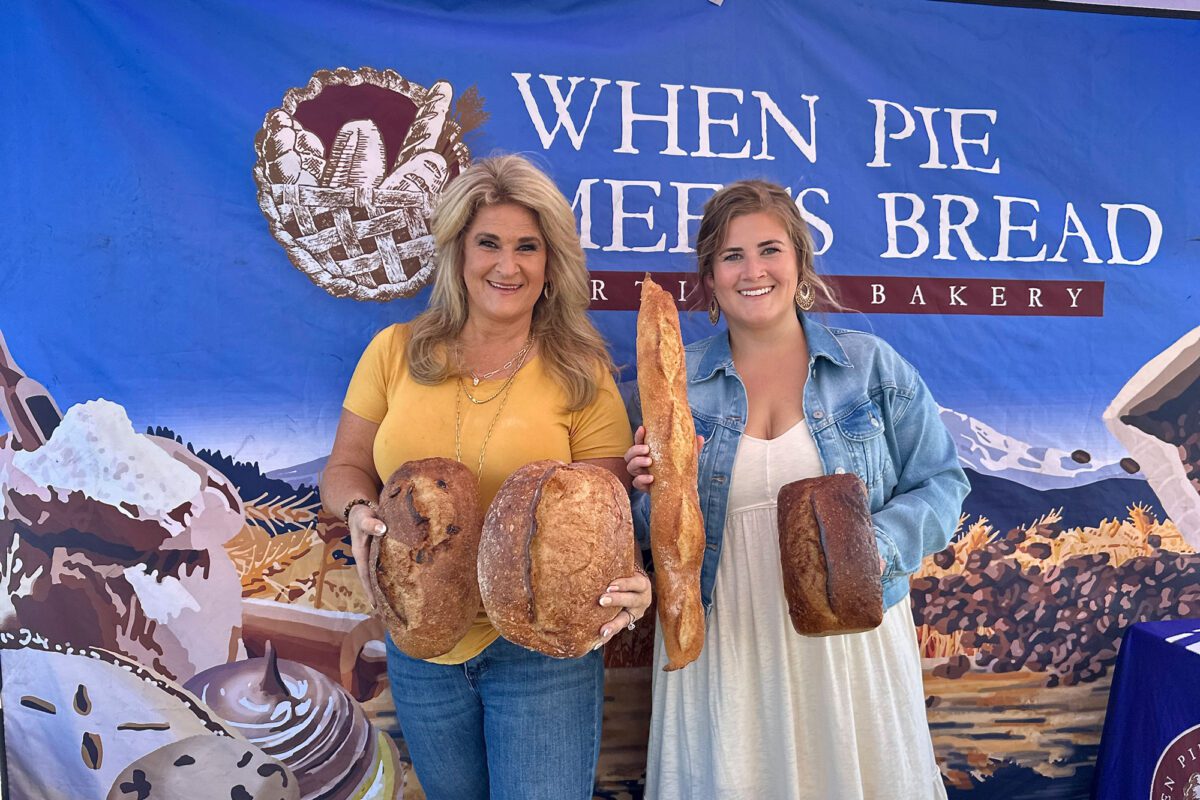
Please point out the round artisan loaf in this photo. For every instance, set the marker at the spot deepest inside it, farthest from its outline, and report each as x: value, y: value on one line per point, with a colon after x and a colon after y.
x: 554, y: 538
x: 423, y: 568
x: 829, y: 556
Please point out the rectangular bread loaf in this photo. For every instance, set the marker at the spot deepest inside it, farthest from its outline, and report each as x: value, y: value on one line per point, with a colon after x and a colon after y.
x: 831, y: 573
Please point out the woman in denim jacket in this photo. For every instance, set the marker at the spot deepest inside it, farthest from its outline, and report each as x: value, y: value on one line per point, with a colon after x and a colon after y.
x: 765, y: 713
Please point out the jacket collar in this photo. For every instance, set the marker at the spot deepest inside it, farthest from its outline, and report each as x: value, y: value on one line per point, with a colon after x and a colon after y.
x: 822, y: 343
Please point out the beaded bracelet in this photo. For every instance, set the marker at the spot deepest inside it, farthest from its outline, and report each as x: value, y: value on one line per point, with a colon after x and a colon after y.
x: 358, y: 501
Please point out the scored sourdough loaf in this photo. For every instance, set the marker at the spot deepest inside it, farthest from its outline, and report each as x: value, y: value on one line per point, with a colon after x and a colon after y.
x: 555, y: 537
x: 423, y: 569
x: 676, y: 527
x: 830, y: 559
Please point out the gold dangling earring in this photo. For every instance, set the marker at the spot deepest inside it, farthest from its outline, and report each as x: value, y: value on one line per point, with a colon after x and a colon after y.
x: 546, y: 290
x: 805, y: 296
x: 714, y: 311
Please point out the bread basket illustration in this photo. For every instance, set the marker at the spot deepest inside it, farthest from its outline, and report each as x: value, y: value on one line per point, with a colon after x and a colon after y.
x: 349, y: 168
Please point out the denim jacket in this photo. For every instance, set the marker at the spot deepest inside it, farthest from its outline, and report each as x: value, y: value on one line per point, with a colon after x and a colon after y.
x: 869, y: 412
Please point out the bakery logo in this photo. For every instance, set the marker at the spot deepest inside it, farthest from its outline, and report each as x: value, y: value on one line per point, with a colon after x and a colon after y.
x: 1177, y: 774
x: 348, y: 170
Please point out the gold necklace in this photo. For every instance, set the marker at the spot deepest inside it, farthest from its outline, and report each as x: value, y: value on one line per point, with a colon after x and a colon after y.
x: 462, y: 385
x: 521, y: 363
x: 487, y: 436
x: 507, y: 365
x: 504, y: 390
x: 518, y: 359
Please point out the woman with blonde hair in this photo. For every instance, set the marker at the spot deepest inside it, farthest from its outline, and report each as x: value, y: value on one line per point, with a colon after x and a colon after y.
x: 502, y: 369
x: 765, y: 713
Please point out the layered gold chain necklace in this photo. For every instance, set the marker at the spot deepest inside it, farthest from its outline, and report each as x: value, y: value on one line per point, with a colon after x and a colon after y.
x: 515, y: 363
x: 507, y: 365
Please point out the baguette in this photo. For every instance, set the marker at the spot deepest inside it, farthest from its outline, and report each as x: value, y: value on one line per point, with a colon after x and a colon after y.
x: 676, y: 526
x: 427, y: 125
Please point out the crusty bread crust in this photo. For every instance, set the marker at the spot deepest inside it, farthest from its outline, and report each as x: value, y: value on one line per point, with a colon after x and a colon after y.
x: 676, y: 526
x: 423, y: 569
x: 555, y: 537
x: 829, y: 556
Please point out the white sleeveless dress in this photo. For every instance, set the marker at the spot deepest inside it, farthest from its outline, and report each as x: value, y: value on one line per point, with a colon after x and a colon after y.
x: 767, y: 714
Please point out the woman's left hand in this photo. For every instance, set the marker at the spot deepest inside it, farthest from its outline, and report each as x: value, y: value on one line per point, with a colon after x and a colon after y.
x: 633, y: 594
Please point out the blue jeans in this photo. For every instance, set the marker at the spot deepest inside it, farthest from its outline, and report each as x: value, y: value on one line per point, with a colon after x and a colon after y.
x: 509, y: 724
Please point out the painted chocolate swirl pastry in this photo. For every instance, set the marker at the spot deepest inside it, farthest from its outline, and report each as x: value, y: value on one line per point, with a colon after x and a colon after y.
x: 302, y: 718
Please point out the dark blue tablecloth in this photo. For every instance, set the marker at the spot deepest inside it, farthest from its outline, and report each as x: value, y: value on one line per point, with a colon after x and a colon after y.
x: 1153, y: 707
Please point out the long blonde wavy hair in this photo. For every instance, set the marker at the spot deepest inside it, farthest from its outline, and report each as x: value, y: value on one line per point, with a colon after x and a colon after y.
x: 748, y: 197
x: 572, y: 350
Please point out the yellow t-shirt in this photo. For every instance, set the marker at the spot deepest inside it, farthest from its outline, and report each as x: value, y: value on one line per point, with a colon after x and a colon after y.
x: 417, y: 421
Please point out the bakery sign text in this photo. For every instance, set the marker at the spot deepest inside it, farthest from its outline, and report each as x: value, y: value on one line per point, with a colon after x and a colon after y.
x: 619, y: 290
x: 630, y: 118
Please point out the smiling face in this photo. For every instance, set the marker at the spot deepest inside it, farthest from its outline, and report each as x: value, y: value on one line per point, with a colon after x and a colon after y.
x: 755, y: 272
x: 504, y: 263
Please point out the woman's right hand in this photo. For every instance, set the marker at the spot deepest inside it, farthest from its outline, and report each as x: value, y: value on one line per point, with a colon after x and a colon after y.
x: 638, y: 461
x: 364, y: 523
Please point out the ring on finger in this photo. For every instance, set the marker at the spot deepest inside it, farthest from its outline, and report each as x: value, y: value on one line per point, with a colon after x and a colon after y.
x: 632, y: 622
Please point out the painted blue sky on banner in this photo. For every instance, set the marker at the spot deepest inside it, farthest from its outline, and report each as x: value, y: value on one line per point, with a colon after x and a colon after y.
x: 140, y: 268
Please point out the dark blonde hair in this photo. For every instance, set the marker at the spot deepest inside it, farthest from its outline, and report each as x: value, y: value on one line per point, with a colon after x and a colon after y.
x: 571, y: 348
x: 749, y: 197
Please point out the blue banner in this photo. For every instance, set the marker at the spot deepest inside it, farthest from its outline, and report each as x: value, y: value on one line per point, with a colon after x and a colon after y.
x: 214, y: 206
